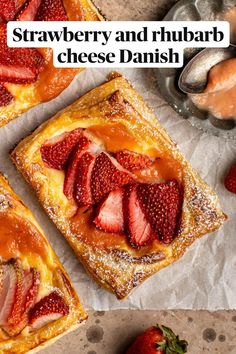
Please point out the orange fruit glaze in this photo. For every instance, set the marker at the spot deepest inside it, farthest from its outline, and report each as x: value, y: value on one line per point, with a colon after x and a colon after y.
x: 19, y: 236
x: 52, y: 81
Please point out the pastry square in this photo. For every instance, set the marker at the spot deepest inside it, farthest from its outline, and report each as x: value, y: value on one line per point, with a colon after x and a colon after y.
x: 117, y: 187
x: 37, y: 300
x: 27, y: 75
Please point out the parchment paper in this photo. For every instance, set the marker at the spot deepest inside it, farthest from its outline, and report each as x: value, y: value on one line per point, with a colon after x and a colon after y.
x: 205, y: 278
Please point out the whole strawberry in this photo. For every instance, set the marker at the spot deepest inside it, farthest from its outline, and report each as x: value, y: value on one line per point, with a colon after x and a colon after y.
x: 158, y: 340
x: 230, y: 179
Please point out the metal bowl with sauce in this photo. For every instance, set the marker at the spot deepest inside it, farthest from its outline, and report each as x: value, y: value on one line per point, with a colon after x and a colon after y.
x: 167, y: 79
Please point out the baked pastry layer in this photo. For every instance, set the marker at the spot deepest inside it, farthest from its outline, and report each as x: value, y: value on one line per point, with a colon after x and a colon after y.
x: 116, y: 118
x: 51, y: 81
x: 25, y: 249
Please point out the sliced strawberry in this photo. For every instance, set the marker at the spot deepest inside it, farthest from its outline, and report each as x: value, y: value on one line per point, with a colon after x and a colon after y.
x: 18, y: 292
x: 139, y: 229
x: 8, y: 286
x: 161, y: 204
x: 55, y: 152
x: 49, y: 308
x: 19, y: 4
x: 18, y: 65
x: 14, y: 304
x: 110, y: 213
x: 18, y: 318
x: 30, y: 292
x: 12, y: 70
x: 52, y: 10
x: 17, y: 305
x: 82, y: 187
x: 7, y: 10
x: 29, y: 11
x: 5, y: 96
x: 16, y: 74
x: 132, y: 160
x: 31, y: 287
x: 82, y: 146
x: 107, y: 175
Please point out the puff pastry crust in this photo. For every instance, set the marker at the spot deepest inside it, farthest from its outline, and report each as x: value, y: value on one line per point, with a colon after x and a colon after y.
x: 119, y: 117
x: 31, y: 248
x: 51, y: 81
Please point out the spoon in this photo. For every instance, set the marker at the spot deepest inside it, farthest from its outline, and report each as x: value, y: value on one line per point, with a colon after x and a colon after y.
x: 193, y: 78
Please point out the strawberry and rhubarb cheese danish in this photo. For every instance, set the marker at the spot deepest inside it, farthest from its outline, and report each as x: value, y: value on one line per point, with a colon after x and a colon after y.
x: 37, y: 300
x: 117, y: 187
x: 27, y: 75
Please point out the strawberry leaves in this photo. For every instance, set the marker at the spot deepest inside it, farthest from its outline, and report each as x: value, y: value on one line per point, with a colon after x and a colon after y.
x: 171, y: 343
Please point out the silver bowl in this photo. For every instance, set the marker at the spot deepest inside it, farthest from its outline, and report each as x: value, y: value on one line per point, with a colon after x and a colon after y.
x: 167, y: 79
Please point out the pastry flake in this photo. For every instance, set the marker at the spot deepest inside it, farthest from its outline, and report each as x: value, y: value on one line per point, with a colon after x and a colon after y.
x: 37, y: 301
x: 117, y: 187
x: 27, y: 75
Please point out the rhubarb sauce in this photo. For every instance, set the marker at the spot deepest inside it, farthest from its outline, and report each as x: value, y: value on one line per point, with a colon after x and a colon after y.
x: 219, y: 97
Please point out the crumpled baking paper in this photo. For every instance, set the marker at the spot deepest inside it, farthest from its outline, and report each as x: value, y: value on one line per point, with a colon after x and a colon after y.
x: 205, y: 277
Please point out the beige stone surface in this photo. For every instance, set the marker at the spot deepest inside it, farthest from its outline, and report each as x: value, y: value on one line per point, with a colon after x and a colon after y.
x: 112, y: 332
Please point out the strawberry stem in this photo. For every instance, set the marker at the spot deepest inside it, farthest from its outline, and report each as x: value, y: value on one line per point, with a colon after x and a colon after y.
x: 171, y: 343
